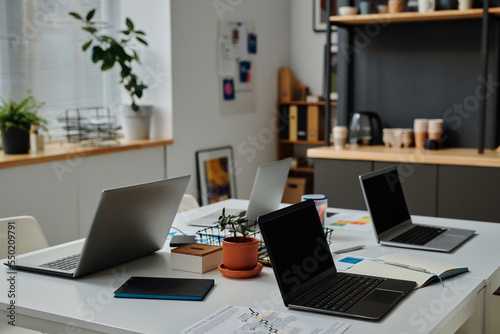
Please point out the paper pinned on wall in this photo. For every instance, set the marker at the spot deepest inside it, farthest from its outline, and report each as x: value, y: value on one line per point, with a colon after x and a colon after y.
x: 226, y: 59
x: 242, y: 42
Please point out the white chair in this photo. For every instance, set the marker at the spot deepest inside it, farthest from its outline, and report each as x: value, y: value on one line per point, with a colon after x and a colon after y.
x: 26, y: 236
x: 188, y: 203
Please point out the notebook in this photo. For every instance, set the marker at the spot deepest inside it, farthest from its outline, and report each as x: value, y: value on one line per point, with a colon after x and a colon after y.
x: 266, y: 195
x: 165, y: 288
x: 407, y: 267
x: 130, y: 222
x: 391, y: 219
x: 305, y: 271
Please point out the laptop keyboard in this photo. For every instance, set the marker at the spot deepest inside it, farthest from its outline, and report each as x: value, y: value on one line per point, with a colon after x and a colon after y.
x: 419, y: 235
x: 66, y: 263
x: 343, y: 291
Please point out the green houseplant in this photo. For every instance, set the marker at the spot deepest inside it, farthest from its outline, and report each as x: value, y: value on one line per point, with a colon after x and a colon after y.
x: 238, y: 252
x: 108, y: 51
x: 16, y: 119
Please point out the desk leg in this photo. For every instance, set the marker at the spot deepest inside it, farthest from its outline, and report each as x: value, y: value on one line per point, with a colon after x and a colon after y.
x: 476, y: 322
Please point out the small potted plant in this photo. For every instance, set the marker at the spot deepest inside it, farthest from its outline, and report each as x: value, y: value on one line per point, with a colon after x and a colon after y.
x: 110, y: 51
x: 239, y: 252
x: 16, y: 119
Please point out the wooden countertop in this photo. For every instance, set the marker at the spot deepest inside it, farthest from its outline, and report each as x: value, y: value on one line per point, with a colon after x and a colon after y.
x: 447, y: 156
x: 62, y: 151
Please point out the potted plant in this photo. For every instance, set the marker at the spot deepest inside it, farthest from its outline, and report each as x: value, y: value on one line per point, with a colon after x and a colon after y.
x: 238, y: 252
x: 16, y: 119
x: 109, y: 51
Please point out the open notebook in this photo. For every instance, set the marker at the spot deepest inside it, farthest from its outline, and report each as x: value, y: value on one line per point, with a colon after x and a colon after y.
x: 388, y: 266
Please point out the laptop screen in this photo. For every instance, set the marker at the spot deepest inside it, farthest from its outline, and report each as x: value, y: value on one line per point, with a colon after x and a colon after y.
x: 385, y: 198
x: 296, y: 243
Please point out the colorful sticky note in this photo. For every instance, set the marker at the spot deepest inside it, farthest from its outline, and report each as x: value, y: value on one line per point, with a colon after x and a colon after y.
x: 228, y: 89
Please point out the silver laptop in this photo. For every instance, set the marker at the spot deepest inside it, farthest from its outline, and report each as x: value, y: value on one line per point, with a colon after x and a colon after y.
x: 392, y: 223
x: 130, y: 222
x: 266, y: 195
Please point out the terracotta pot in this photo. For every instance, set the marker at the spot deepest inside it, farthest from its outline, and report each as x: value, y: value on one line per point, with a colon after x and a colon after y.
x: 240, y: 255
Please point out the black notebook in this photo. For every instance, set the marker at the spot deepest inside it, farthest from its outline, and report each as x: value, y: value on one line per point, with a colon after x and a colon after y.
x: 165, y: 288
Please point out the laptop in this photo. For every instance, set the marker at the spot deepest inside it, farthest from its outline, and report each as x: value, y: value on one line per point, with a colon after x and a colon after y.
x: 392, y: 223
x: 266, y: 195
x: 130, y: 222
x: 304, y: 268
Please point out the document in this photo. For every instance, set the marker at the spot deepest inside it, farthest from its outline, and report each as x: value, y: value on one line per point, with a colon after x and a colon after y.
x: 238, y: 319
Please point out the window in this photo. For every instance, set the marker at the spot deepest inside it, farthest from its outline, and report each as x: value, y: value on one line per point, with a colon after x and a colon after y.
x: 40, y: 50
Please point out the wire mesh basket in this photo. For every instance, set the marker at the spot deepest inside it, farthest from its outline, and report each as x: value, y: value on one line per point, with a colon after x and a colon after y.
x: 214, y: 236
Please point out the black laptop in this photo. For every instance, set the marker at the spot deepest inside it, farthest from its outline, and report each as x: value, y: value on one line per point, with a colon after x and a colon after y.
x: 306, y: 274
x: 391, y: 218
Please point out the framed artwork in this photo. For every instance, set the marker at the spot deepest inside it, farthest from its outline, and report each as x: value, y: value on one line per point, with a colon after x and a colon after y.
x: 320, y: 17
x: 216, y: 177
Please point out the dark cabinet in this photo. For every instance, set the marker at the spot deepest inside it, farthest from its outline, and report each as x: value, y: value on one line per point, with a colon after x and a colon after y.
x: 467, y: 192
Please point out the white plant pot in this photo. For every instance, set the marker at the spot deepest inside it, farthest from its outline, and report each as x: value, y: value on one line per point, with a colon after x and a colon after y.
x: 136, y: 124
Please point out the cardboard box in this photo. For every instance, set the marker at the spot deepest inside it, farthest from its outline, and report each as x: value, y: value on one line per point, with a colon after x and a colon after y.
x: 198, y: 258
x: 295, y: 187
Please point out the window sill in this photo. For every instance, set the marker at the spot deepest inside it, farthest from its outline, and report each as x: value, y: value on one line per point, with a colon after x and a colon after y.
x: 62, y: 151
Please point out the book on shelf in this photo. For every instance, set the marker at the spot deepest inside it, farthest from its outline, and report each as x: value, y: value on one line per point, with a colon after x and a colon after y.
x: 284, y: 124
x: 315, y: 124
x: 407, y: 267
x: 293, y: 122
x: 302, y: 123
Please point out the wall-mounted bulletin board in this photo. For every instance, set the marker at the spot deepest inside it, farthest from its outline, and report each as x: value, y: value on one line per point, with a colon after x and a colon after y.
x: 237, y: 49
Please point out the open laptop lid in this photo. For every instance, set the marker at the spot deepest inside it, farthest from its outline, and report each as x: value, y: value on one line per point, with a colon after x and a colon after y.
x: 297, y: 247
x: 385, y: 200
x: 268, y: 187
x: 130, y: 222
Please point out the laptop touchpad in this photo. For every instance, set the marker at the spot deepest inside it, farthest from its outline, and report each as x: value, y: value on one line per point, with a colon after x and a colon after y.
x: 376, y: 303
x: 383, y: 296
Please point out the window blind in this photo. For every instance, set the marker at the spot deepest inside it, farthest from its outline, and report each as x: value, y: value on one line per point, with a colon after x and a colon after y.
x: 41, y: 51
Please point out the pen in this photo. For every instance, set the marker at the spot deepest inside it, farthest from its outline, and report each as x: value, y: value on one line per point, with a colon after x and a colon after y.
x: 346, y: 250
x: 407, y: 266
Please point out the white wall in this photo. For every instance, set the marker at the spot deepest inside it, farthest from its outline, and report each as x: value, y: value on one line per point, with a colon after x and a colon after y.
x: 197, y: 121
x: 152, y: 16
x: 306, y: 46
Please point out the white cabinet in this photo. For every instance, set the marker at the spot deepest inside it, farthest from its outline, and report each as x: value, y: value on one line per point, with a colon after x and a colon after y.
x: 63, y: 195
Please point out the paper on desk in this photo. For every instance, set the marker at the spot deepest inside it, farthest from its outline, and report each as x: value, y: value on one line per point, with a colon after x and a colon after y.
x: 238, y: 319
x: 346, y: 261
x: 350, y: 221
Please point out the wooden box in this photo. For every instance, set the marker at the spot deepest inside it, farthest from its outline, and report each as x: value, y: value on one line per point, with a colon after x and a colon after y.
x: 198, y: 258
x: 295, y: 187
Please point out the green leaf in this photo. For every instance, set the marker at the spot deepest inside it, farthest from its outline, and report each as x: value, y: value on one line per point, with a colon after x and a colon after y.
x: 135, y: 107
x: 90, y: 15
x: 126, y: 32
x: 140, y: 32
x: 108, y: 61
x: 75, y: 15
x: 97, y: 53
x: 142, y: 41
x: 129, y: 23
x: 86, y: 45
x: 91, y: 30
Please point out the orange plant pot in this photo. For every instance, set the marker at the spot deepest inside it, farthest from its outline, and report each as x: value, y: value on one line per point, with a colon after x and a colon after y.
x: 240, y: 255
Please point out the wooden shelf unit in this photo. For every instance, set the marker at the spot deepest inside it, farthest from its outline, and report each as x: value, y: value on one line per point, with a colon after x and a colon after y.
x: 439, y: 15
x: 350, y: 21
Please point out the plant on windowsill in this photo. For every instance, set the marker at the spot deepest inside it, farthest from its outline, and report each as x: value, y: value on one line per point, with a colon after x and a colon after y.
x: 109, y: 51
x: 16, y: 120
x: 238, y: 252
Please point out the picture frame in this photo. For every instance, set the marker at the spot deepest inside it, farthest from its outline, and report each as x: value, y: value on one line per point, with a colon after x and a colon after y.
x: 216, y: 176
x: 320, y: 17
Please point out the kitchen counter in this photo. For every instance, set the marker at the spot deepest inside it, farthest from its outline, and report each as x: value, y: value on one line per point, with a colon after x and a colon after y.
x: 446, y: 156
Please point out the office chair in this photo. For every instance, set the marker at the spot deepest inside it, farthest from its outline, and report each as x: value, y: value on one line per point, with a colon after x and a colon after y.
x: 188, y: 203
x: 26, y: 235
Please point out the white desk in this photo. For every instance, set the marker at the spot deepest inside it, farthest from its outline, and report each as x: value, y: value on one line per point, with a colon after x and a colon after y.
x: 86, y: 305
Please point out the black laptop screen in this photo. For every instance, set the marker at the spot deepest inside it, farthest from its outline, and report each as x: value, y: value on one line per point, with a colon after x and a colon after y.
x: 386, y: 200
x: 296, y: 244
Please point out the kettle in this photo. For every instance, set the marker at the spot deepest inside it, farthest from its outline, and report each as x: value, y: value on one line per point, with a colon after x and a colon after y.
x: 365, y: 128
